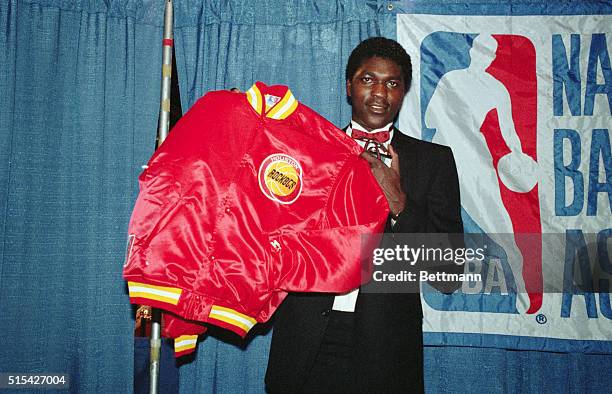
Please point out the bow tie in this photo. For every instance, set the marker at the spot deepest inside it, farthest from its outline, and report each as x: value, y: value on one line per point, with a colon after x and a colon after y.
x: 380, y: 136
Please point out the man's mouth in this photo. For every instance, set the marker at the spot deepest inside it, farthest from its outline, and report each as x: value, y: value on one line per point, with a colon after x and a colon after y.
x: 378, y: 108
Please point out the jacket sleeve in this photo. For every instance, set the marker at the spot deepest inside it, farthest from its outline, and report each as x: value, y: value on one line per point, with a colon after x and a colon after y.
x: 335, y: 256
x: 184, y: 332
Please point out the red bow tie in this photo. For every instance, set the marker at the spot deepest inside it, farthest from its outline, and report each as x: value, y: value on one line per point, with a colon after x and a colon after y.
x: 380, y: 136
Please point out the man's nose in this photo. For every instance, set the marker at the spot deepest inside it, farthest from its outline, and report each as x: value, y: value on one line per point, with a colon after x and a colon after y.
x: 379, y: 89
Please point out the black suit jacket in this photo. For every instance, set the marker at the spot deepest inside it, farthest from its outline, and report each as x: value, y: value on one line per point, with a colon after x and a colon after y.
x: 387, y: 333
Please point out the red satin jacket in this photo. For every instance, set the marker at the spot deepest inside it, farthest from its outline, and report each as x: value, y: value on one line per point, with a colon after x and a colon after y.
x: 251, y: 196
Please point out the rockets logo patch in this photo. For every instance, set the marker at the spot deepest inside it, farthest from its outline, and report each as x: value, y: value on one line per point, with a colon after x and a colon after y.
x: 280, y: 178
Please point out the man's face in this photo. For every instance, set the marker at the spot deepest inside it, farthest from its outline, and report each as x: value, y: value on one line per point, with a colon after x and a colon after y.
x: 376, y: 91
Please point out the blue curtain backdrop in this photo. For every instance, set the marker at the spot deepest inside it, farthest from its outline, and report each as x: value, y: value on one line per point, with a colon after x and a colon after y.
x: 305, y: 45
x: 79, y: 96
x: 302, y: 44
x: 79, y: 87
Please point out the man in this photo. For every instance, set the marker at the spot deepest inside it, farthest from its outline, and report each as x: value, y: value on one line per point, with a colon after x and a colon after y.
x: 371, y: 342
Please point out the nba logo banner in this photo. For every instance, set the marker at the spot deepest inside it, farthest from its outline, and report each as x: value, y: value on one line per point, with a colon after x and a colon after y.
x: 525, y: 103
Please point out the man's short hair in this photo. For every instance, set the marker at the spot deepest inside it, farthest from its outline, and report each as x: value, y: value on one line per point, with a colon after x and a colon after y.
x: 380, y: 47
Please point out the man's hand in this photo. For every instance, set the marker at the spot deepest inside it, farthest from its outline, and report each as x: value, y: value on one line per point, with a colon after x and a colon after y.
x: 389, y: 180
x: 143, y: 313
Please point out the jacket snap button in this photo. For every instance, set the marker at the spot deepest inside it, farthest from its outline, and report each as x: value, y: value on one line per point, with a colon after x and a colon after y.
x: 325, y: 313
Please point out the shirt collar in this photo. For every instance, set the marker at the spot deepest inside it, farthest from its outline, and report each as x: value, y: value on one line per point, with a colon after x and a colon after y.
x: 276, y: 102
x: 389, y: 127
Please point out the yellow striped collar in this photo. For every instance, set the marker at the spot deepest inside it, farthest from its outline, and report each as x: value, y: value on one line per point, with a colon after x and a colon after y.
x: 276, y: 102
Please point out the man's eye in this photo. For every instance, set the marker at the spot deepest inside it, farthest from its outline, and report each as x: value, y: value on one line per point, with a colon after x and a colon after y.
x: 392, y: 84
x: 366, y: 79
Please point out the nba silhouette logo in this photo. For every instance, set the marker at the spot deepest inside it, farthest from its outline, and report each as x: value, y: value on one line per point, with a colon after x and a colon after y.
x: 478, y: 95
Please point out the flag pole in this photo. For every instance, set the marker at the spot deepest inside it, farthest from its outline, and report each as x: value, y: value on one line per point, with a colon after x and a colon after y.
x: 162, y: 133
x: 168, y: 44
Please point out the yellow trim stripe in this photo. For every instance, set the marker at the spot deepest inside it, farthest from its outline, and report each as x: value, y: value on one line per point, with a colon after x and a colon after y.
x: 178, y: 349
x: 169, y: 295
x: 292, y: 105
x: 279, y: 105
x: 185, y: 342
x: 174, y: 290
x: 254, y: 97
x: 153, y: 297
x: 232, y: 317
x: 259, y: 100
x: 248, y: 318
x: 231, y: 321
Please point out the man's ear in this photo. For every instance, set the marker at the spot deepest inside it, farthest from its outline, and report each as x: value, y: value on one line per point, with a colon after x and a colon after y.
x: 348, y: 88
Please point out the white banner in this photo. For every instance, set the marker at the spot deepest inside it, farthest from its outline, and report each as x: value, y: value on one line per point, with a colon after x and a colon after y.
x: 525, y: 103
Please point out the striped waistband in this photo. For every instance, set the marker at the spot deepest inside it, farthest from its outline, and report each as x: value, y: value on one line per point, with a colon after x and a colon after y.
x: 168, y: 298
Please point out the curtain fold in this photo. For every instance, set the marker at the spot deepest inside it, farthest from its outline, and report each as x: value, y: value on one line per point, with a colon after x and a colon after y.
x: 303, y: 44
x: 78, y: 114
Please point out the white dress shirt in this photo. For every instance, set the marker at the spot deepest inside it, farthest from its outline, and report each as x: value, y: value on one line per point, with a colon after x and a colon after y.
x: 346, y: 302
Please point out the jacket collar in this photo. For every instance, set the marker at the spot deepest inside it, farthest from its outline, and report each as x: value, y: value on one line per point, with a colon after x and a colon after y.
x: 275, y: 102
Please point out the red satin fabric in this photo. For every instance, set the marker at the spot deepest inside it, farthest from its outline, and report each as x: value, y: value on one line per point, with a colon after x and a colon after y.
x: 203, y: 224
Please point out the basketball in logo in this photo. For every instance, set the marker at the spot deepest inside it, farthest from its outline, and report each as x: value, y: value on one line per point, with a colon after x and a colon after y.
x: 280, y: 178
